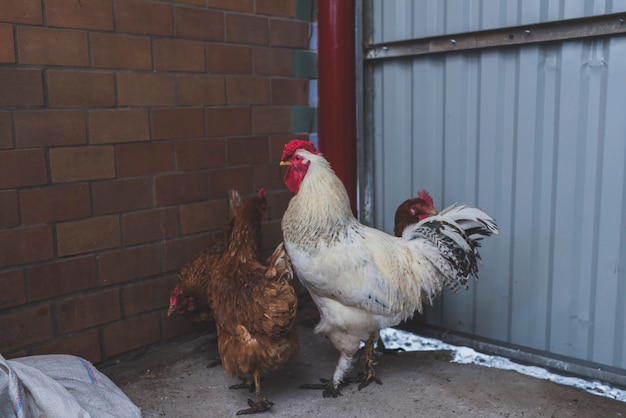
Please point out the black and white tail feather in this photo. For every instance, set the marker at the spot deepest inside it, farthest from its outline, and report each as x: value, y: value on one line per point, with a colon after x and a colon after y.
x: 456, y: 232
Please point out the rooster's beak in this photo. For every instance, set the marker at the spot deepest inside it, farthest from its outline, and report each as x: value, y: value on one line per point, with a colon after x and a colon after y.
x: 171, y: 310
x: 285, y: 163
x: 433, y: 212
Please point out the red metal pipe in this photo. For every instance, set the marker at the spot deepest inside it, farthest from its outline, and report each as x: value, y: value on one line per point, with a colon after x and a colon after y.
x: 337, y: 90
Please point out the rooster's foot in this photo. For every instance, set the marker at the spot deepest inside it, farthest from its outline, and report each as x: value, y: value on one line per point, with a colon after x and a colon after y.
x: 260, y: 405
x: 329, y: 389
x: 365, y: 379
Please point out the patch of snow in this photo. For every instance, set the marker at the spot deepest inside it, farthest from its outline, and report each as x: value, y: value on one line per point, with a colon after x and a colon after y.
x: 398, y: 339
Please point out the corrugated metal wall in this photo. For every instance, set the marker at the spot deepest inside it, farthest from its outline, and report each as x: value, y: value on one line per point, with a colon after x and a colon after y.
x: 536, y: 136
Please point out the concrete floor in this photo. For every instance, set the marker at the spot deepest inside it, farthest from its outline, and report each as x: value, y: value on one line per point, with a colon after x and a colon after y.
x: 173, y: 381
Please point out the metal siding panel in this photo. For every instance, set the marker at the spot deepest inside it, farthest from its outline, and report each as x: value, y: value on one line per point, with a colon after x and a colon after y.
x: 379, y: 123
x: 612, y: 235
x: 571, y: 336
x: 528, y: 322
x: 460, y: 142
x: 397, y: 137
x: 536, y: 136
x: 494, y: 189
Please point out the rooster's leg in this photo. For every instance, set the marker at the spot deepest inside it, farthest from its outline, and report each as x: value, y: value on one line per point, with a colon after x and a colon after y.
x: 370, y: 373
x: 331, y: 387
x: 261, y: 403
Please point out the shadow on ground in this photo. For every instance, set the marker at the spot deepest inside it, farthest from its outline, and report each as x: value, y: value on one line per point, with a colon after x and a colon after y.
x: 173, y: 381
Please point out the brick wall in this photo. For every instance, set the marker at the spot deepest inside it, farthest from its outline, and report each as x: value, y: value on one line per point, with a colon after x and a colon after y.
x: 122, y: 125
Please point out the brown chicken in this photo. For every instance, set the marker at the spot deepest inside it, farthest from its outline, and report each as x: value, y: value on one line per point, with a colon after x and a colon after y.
x: 189, y: 298
x: 413, y: 210
x: 254, y: 304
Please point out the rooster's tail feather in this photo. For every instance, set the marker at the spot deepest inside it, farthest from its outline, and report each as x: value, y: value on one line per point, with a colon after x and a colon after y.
x: 456, y: 233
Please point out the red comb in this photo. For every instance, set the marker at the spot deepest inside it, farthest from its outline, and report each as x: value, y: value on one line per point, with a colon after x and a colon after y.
x: 423, y: 194
x: 261, y: 193
x: 296, y: 144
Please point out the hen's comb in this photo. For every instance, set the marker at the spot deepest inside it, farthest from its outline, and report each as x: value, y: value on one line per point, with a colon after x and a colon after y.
x: 296, y: 144
x: 423, y: 194
x: 261, y: 193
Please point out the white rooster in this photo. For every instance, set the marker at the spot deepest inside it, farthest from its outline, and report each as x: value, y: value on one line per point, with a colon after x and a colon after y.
x: 360, y: 278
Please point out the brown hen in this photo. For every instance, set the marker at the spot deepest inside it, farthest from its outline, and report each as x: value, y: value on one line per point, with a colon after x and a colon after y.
x: 413, y: 210
x: 254, y: 304
x: 189, y: 298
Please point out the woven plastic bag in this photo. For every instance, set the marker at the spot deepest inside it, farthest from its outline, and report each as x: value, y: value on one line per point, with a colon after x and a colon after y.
x: 60, y: 386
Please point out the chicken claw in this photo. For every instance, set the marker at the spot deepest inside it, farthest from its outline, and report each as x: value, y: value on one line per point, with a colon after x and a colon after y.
x: 260, y: 405
x: 329, y: 390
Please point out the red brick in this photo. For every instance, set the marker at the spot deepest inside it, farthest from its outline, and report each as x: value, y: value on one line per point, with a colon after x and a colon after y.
x: 121, y: 51
x: 177, y: 123
x: 25, y: 245
x: 247, y: 90
x: 130, y: 263
x: 121, y: 195
x: 52, y: 46
x: 62, y: 278
x: 228, y: 121
x: 199, y: 24
x: 179, y: 188
x: 6, y: 130
x: 147, y: 296
x: 200, y: 154
x: 289, y: 33
x: 85, y: 345
x: 79, y: 88
x: 276, y: 7
x: 273, y: 61
x: 152, y: 225
x: 247, y: 150
x: 25, y: 327
x: 201, y: 90
x: 92, y: 14
x: 7, y: 48
x: 145, y: 89
x: 12, y: 289
x: 220, y: 181
x: 229, y: 59
x: 290, y: 91
x: 131, y: 334
x: 45, y: 128
x: 140, y: 16
x: 180, y: 251
x: 9, y: 214
x: 178, y: 55
x: 88, y: 311
x: 53, y: 204
x: 203, y: 216
x: 87, y: 235
x: 239, y: 5
x: 267, y: 120
x: 22, y: 168
x: 20, y: 87
x: 193, y: 2
x: 145, y: 158
x: 21, y: 11
x: 82, y: 163
x: 118, y: 125
x: 269, y: 176
x: 247, y: 29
